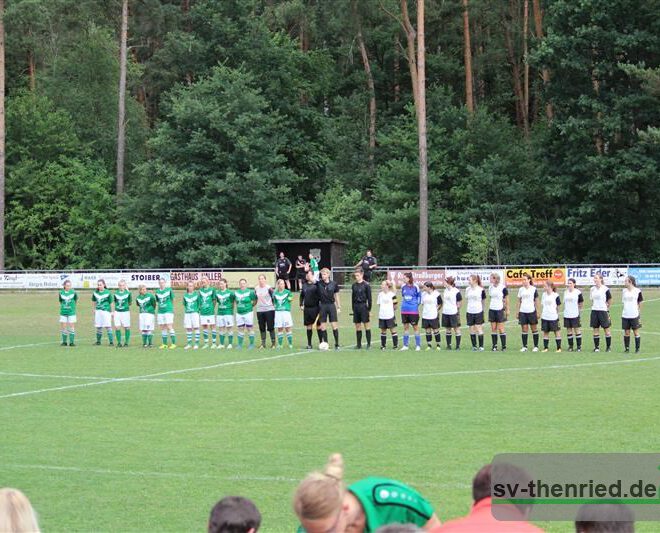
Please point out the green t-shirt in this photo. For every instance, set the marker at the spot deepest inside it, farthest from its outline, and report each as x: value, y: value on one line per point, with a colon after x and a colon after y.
x: 245, y: 300
x: 225, y: 302
x: 386, y: 501
x: 207, y: 301
x: 68, y: 301
x: 282, y: 300
x: 103, y: 300
x: 314, y: 264
x: 165, y: 299
x: 191, y: 302
x: 146, y: 302
x: 122, y: 300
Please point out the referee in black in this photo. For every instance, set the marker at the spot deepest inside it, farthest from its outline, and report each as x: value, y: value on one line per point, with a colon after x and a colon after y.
x: 361, y: 302
x: 368, y: 264
x: 330, y: 306
x: 309, y: 303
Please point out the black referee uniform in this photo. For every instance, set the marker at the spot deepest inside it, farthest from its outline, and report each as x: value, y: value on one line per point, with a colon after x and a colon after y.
x: 361, y: 303
x: 309, y: 301
x: 366, y: 263
x: 328, y: 308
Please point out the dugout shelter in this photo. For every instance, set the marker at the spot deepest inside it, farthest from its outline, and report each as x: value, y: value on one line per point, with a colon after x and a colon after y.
x: 328, y: 252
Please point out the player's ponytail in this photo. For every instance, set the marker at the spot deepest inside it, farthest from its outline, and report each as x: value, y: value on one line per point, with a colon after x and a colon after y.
x: 321, y: 494
x: 632, y: 280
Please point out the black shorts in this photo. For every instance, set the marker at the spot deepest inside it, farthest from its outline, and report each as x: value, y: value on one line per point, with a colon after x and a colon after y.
x: 451, y: 321
x: 475, y: 319
x: 525, y: 319
x: 572, y: 322
x: 328, y: 312
x: 367, y: 274
x: 310, y: 315
x: 600, y: 319
x: 386, y: 323
x: 409, y: 319
x: 301, y: 275
x: 266, y: 320
x: 549, y: 325
x: 630, y: 323
x: 360, y: 314
x: 496, y: 316
x: 431, y: 323
x: 283, y: 275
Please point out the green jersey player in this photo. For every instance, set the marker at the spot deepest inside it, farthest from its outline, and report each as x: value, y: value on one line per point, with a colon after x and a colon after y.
x: 314, y: 267
x: 207, y: 311
x: 102, y: 299
x: 225, y: 318
x: 245, y: 299
x: 122, y: 299
x: 191, y: 307
x: 165, y: 299
x: 362, y: 507
x: 146, y: 303
x: 283, y: 322
x: 68, y: 298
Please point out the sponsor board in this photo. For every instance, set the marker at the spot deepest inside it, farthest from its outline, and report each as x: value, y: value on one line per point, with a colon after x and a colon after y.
x: 513, y: 276
x: 437, y: 277
x: 645, y: 275
x: 180, y: 280
x: 149, y: 279
x: 12, y: 281
x: 462, y: 276
x: 47, y: 280
x: 584, y: 275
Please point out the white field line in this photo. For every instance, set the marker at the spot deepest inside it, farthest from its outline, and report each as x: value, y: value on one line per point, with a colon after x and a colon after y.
x: 26, y: 345
x: 184, y: 475
x: 154, y: 375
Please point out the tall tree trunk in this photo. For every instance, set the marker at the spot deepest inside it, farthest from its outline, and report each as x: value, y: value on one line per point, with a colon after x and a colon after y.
x: 545, y: 73
x: 372, y: 97
x: 526, y: 65
x: 410, y: 50
x: 121, y: 115
x: 421, y: 130
x: 32, y: 71
x: 518, y: 91
x: 467, y: 48
x: 397, y: 69
x: 2, y: 134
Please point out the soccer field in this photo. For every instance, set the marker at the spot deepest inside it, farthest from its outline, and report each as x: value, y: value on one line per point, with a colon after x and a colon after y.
x: 143, y: 440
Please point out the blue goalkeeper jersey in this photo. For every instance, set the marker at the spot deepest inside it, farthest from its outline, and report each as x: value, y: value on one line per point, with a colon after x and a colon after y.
x: 411, y: 297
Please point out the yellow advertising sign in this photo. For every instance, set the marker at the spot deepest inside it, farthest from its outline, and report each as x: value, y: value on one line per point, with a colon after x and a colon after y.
x: 513, y: 276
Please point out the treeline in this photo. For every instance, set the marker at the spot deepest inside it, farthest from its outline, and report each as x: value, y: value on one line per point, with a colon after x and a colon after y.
x: 257, y: 119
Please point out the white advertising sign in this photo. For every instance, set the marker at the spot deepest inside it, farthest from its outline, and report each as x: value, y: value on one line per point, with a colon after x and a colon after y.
x: 462, y: 276
x: 584, y: 275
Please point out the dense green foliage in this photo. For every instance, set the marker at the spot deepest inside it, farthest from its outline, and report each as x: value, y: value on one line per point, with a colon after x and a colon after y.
x: 249, y: 120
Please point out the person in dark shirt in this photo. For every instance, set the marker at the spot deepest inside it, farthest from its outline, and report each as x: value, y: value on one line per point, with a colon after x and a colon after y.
x: 309, y: 303
x: 301, y: 272
x: 283, y: 268
x: 361, y: 302
x: 368, y: 264
x: 330, y: 306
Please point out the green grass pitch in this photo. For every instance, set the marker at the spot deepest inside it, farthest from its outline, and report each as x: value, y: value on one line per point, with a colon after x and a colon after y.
x: 149, y: 440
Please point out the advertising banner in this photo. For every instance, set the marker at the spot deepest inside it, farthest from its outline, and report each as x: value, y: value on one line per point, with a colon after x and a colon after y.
x: 513, y: 276
x: 437, y: 277
x: 462, y: 276
x: 584, y: 275
x: 180, y: 279
x: 12, y: 281
x: 46, y: 280
x: 645, y: 275
x: 149, y: 279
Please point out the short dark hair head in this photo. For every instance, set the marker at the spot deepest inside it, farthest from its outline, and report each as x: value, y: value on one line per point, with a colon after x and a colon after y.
x: 234, y: 514
x: 359, y: 271
x: 606, y: 518
x: 409, y: 277
x: 505, y: 473
x: 481, y: 484
x: 429, y: 284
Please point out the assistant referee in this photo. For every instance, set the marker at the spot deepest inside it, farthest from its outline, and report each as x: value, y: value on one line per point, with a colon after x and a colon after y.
x: 329, y: 306
x: 309, y: 303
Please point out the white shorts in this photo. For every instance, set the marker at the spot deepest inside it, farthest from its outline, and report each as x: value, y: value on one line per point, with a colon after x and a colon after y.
x: 207, y: 320
x: 123, y: 319
x: 191, y: 320
x: 71, y: 319
x: 246, y: 319
x: 146, y: 322
x: 283, y: 319
x: 224, y: 321
x: 102, y: 319
x: 317, y: 275
x: 165, y: 318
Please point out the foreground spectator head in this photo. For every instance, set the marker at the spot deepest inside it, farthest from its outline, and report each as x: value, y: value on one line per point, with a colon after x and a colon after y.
x: 319, y: 499
x: 234, y: 514
x: 16, y: 512
x: 608, y: 518
x: 399, y: 528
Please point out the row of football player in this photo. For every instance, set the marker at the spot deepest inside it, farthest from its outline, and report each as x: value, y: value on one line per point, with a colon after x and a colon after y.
x: 443, y: 310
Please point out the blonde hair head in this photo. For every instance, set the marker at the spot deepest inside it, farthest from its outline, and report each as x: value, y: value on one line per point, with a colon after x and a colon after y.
x: 321, y: 494
x: 16, y: 512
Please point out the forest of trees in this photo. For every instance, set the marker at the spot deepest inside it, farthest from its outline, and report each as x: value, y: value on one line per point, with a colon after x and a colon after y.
x: 247, y: 120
